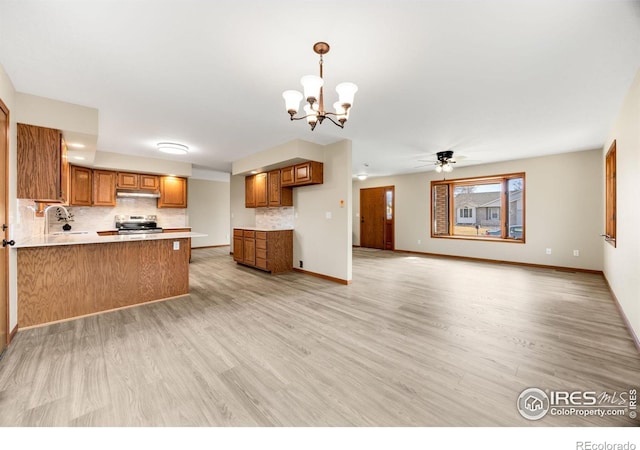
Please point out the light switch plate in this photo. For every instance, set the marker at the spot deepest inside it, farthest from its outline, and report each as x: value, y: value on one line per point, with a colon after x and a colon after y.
x: 176, y: 245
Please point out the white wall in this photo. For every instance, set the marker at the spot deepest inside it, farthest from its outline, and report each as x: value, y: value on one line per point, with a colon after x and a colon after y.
x: 322, y: 243
x: 209, y: 211
x: 564, y: 210
x: 622, y: 263
x: 8, y: 96
x: 119, y: 161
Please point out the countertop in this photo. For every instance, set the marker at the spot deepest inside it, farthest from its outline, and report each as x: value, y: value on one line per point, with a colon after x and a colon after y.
x: 261, y: 229
x: 92, y: 237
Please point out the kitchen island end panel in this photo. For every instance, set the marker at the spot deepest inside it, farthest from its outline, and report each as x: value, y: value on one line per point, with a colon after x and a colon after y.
x: 67, y: 281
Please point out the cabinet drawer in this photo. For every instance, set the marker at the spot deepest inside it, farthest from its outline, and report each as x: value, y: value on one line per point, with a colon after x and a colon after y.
x: 237, y: 232
x: 261, y: 243
x: 261, y: 253
x: 261, y: 234
x: 249, y: 234
x: 261, y: 263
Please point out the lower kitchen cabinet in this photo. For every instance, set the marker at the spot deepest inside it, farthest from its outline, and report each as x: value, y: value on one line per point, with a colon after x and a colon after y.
x: 271, y: 250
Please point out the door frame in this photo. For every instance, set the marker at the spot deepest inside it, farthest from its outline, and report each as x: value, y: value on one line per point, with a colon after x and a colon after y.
x: 385, y: 221
x: 5, y: 110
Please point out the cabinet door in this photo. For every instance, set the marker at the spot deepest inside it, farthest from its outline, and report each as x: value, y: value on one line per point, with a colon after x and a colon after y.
x: 261, y: 190
x: 287, y: 177
x: 81, y: 186
x: 127, y: 180
x: 238, y: 244
x: 310, y: 172
x: 149, y: 182
x: 249, y: 247
x: 39, y: 163
x: 65, y: 173
x: 250, y: 191
x: 104, y: 188
x: 274, y: 188
x: 173, y: 192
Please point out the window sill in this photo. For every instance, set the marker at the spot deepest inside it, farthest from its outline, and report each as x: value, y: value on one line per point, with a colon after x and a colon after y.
x: 479, y: 238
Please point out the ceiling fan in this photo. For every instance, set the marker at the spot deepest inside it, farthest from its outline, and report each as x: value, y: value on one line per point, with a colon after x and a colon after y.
x: 444, y: 161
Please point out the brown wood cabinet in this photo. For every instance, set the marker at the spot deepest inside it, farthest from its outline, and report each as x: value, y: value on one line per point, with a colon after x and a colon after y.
x: 81, y: 186
x: 303, y: 174
x: 43, y: 171
x: 173, y: 192
x: 262, y: 192
x: 264, y: 189
x: 250, y: 191
x: 271, y: 250
x: 238, y: 245
x: 127, y: 180
x: 104, y: 188
x: 148, y: 182
x: 278, y: 196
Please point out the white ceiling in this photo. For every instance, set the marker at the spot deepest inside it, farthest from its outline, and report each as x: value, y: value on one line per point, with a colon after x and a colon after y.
x: 491, y: 80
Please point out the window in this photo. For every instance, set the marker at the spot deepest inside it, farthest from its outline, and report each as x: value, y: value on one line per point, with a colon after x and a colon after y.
x: 610, y: 208
x: 488, y: 208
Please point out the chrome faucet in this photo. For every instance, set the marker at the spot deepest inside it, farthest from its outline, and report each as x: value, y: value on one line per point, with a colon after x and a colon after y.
x: 46, y: 216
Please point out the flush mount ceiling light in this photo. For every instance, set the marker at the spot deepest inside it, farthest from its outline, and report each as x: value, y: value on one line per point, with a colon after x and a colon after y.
x: 173, y: 148
x: 445, y: 161
x: 313, y: 93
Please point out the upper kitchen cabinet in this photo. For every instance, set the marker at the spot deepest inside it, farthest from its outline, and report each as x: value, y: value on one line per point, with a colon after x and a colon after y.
x: 250, y: 191
x: 43, y: 169
x: 278, y: 196
x: 261, y: 189
x: 104, y: 188
x: 264, y: 189
x: 148, y: 182
x: 303, y: 174
x: 81, y: 186
x: 173, y: 192
x: 137, y: 181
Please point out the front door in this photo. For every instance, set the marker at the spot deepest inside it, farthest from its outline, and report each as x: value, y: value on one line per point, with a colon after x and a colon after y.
x: 4, y: 256
x: 376, y: 218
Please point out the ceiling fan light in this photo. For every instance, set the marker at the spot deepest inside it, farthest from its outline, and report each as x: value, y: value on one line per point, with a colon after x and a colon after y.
x: 292, y: 100
x: 173, y: 148
x: 311, y: 85
x: 447, y: 167
x: 438, y: 168
x: 346, y: 92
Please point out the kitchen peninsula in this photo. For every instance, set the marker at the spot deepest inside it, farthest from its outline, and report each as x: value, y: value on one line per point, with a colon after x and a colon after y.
x: 72, y: 275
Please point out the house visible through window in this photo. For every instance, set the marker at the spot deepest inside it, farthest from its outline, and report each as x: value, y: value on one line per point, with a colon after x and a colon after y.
x: 489, y: 208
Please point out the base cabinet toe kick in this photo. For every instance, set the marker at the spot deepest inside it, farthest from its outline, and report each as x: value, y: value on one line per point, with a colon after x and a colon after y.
x: 267, y: 250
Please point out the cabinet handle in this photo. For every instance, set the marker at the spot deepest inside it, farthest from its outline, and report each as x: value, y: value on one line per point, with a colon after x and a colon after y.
x: 5, y: 242
x: 4, y: 227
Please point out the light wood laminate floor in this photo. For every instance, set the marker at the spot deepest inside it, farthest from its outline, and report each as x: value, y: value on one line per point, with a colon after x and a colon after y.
x: 414, y: 341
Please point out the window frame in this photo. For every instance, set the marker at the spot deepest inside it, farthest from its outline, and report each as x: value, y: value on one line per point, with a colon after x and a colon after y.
x: 503, y: 180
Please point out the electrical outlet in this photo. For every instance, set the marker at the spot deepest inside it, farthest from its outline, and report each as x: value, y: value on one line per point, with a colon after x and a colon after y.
x: 548, y: 251
x: 301, y: 264
x: 576, y: 253
x: 419, y: 241
x: 176, y: 245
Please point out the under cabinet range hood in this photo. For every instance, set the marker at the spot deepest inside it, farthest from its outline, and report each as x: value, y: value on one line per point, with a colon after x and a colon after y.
x: 137, y: 193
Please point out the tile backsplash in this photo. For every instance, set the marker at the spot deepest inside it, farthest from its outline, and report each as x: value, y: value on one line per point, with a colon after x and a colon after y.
x: 95, y: 218
x: 273, y: 218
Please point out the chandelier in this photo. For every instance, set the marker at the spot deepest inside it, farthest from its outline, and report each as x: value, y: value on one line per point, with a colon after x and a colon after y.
x: 314, y: 108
